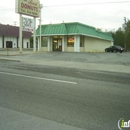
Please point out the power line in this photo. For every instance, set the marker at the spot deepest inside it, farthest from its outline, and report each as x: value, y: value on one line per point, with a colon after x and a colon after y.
x: 93, y: 3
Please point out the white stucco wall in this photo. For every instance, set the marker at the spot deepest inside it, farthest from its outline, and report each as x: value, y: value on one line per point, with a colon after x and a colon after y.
x: 82, y: 49
x: 1, y: 43
x: 76, y: 43
x: 49, y: 45
x: 112, y: 43
x: 90, y: 45
x: 25, y: 40
x: 66, y: 48
x: 14, y: 42
x: 95, y: 45
x: 65, y: 43
x: 70, y: 49
x: 45, y: 49
x: 13, y: 39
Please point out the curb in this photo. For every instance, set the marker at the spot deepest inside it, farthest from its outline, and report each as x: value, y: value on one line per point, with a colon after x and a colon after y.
x: 19, y: 54
x: 10, y: 59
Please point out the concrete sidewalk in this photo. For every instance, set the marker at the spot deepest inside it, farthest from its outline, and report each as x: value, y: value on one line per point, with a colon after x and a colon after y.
x: 13, y: 120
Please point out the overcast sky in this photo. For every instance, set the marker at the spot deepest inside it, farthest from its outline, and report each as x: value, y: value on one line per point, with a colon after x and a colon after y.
x: 98, y: 13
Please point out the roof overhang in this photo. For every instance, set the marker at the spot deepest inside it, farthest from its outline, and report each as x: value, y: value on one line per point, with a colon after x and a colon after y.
x: 45, y: 35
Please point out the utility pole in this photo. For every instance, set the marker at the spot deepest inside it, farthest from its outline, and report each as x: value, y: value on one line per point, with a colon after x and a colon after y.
x: 34, y: 36
x: 20, y: 32
x: 39, y: 46
x: 125, y: 33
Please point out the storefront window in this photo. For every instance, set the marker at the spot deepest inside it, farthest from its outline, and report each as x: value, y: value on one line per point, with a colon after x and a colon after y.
x: 81, y: 41
x: 70, y: 41
x: 44, y: 42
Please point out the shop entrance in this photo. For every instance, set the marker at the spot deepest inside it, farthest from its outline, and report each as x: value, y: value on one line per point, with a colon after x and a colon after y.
x: 57, y: 44
x: 9, y: 44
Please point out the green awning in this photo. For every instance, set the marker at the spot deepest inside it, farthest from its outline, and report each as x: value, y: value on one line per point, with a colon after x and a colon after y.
x: 74, y: 28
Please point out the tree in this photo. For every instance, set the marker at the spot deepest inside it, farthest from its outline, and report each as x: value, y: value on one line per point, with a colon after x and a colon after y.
x: 118, y: 37
x: 128, y: 35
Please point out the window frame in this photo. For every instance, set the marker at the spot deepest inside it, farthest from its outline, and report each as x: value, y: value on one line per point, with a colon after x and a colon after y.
x: 81, y: 42
x: 44, y: 44
x: 70, y: 44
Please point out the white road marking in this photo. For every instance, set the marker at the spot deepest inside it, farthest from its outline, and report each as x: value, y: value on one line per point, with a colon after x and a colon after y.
x: 25, y: 76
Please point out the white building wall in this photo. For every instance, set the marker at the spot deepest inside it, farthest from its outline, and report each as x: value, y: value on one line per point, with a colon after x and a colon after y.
x: 66, y: 48
x: 25, y: 41
x: 12, y: 39
x: 112, y: 43
x: 50, y: 44
x: 14, y: 42
x: 63, y: 43
x: 82, y: 49
x: 90, y: 45
x: 70, y: 49
x: 45, y: 49
x: 1, y: 42
x: 96, y: 45
x: 76, y: 43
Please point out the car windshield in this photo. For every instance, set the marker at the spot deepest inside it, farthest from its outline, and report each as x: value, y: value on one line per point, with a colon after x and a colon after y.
x: 118, y: 47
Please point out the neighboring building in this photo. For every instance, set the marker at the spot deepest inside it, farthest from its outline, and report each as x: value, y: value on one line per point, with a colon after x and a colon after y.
x: 9, y: 37
x: 73, y: 37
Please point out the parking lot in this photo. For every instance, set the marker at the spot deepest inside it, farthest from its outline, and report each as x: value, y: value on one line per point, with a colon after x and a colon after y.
x: 116, y: 62
x: 105, y: 58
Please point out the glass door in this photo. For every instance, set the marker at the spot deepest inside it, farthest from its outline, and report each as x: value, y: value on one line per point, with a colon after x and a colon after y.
x: 57, y: 44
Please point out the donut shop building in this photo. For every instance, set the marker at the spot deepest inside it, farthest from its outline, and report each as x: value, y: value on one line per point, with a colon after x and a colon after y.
x: 72, y: 37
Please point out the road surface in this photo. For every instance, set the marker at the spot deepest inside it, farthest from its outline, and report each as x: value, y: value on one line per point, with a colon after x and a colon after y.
x: 79, y: 98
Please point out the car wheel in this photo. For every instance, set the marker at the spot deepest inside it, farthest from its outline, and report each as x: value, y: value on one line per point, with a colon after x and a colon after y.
x: 120, y: 51
x: 105, y: 50
x: 115, y: 51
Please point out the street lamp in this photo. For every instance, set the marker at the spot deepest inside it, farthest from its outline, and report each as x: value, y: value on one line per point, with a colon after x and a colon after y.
x: 41, y: 6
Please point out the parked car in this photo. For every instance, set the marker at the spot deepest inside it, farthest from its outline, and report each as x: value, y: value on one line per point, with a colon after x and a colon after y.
x: 115, y: 49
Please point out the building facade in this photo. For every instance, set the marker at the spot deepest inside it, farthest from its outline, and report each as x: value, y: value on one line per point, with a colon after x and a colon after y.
x: 73, y: 37
x: 9, y: 37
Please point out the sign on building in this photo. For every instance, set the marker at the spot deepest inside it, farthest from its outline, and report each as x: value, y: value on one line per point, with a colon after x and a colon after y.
x: 28, y: 23
x: 27, y: 29
x: 28, y: 7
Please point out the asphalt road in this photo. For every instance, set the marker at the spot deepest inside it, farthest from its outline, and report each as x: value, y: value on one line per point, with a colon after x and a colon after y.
x: 80, y: 98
